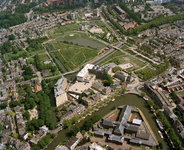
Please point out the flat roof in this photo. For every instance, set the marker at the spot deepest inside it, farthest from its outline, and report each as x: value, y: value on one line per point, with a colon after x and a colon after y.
x: 79, y: 87
x: 136, y: 121
x: 85, y: 70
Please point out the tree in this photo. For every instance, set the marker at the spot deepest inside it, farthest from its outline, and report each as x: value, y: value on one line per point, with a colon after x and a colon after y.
x: 28, y: 71
x: 159, y: 115
x: 3, y: 106
x: 74, y: 131
x: 11, y: 37
x: 143, y: 94
x: 67, y: 123
x: 155, y: 107
x: 1, y: 127
x: 10, y: 112
x: 35, y: 147
x: 87, y: 125
x: 53, y: 69
x: 15, y: 135
x: 75, y: 119
x: 26, y: 115
x: 3, y: 70
x: 150, y: 102
x: 14, y: 103
x: 64, y: 108
x: 109, y: 81
x: 124, y: 90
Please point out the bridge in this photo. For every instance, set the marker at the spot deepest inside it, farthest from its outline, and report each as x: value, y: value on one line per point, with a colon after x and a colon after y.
x: 56, y: 130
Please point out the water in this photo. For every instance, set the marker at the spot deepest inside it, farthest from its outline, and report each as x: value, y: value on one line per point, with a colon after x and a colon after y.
x: 85, y: 42
x: 129, y: 99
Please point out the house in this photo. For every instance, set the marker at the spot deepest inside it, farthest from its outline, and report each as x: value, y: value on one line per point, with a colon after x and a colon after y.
x: 41, y: 133
x: 72, y: 143
x: 180, y: 102
x: 25, y: 146
x: 61, y: 147
x: 37, y: 88
x: 72, y: 110
x: 20, y: 125
x: 130, y: 25
x: 19, y: 108
x: 45, y: 73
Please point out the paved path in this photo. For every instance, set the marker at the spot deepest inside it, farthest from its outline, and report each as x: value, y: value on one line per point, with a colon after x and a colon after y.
x: 148, y: 126
x: 56, y: 130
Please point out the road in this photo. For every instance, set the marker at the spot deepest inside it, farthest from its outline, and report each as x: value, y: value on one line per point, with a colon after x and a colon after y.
x: 29, y: 15
x: 109, y: 27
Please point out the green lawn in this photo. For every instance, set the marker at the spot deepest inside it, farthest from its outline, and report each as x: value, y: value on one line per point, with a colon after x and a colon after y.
x: 71, y: 36
x: 121, y: 58
x: 43, y: 57
x: 114, y: 55
x: 60, y: 31
x: 141, y: 73
x: 38, y: 51
x: 181, y: 94
x: 70, y: 54
x: 10, y: 56
x: 30, y: 60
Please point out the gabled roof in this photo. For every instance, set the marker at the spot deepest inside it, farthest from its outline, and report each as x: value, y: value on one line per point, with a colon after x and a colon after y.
x: 119, y: 129
x: 108, y: 123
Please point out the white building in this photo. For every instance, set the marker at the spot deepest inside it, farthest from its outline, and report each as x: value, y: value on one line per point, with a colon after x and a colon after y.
x: 59, y: 91
x: 84, y: 72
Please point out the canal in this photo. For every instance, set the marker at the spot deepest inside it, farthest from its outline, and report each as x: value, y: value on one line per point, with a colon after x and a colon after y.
x: 129, y: 99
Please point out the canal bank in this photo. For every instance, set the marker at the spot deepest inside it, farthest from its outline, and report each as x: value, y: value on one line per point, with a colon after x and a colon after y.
x: 128, y: 99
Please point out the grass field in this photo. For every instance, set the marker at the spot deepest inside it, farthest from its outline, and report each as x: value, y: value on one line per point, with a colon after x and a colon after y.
x: 39, y: 51
x: 59, y: 32
x: 43, y: 57
x: 70, y: 54
x: 121, y: 58
x: 143, y: 72
x: 181, y: 94
x: 114, y: 55
x: 63, y: 32
x: 71, y: 36
x: 9, y: 56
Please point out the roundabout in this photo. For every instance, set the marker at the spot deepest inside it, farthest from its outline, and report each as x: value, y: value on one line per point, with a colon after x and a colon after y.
x: 72, y: 36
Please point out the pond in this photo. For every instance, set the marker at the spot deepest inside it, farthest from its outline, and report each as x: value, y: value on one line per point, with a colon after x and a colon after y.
x: 129, y: 99
x: 85, y: 42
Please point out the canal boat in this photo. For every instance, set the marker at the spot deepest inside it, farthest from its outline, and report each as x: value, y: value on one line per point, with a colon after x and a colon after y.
x: 159, y: 125
x: 104, y: 105
x: 160, y: 134
x: 169, y: 143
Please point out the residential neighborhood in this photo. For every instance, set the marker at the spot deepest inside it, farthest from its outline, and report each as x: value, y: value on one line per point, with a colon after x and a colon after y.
x: 78, y: 74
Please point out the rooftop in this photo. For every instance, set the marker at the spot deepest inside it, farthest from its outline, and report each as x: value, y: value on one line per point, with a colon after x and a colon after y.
x: 84, y: 71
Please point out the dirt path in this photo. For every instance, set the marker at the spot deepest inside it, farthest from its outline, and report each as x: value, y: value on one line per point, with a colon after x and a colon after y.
x: 84, y: 55
x: 62, y: 55
x: 140, y: 68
